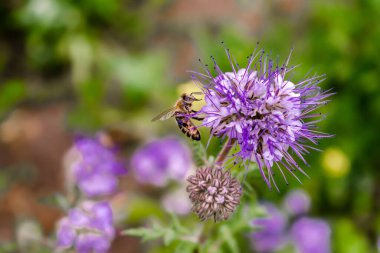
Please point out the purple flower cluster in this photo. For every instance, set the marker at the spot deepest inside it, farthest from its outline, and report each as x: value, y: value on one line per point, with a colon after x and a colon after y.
x: 297, y: 202
x: 87, y: 228
x: 162, y: 160
x: 311, y: 235
x: 97, y: 169
x: 307, y: 235
x: 264, y: 111
x: 271, y: 230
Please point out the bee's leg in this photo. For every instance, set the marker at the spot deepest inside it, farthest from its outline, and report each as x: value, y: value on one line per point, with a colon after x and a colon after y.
x: 197, y: 117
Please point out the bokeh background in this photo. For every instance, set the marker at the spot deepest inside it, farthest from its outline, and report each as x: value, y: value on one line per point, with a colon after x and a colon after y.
x: 70, y: 67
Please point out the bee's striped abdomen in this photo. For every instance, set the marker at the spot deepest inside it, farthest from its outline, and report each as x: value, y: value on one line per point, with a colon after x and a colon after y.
x: 188, y: 128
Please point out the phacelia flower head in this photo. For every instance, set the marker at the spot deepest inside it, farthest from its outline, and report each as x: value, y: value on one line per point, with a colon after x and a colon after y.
x: 214, y: 193
x: 311, y: 235
x: 87, y: 228
x: 270, y: 233
x: 265, y: 112
x: 159, y: 161
x: 97, y: 168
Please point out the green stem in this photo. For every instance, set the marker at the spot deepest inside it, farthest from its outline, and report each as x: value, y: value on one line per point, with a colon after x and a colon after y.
x: 224, y: 152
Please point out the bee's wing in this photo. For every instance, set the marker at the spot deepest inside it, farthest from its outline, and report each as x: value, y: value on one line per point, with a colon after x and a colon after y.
x: 165, y: 114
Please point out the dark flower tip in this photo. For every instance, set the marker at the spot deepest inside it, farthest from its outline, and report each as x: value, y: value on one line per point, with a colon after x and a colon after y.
x: 213, y: 193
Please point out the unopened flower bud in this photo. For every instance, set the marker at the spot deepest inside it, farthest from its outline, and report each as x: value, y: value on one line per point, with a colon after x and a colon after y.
x: 214, y: 193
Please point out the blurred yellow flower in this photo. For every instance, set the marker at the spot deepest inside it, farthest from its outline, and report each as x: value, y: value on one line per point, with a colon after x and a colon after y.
x: 189, y: 87
x: 335, y: 163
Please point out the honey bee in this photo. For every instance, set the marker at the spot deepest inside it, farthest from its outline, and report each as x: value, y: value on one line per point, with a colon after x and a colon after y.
x: 182, y: 112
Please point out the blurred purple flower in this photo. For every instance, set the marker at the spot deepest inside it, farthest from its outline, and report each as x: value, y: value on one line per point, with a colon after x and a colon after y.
x: 271, y: 230
x: 97, y: 169
x: 264, y: 111
x: 87, y: 228
x: 311, y: 235
x: 177, y: 202
x: 297, y: 202
x: 161, y: 160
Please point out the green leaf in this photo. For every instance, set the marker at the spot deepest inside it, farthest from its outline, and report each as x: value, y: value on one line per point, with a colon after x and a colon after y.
x: 177, y: 225
x: 169, y: 236
x: 56, y: 199
x: 229, y: 239
x: 185, y: 247
x: 147, y: 234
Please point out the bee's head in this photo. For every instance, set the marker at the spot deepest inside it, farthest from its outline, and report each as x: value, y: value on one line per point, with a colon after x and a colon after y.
x: 189, y: 98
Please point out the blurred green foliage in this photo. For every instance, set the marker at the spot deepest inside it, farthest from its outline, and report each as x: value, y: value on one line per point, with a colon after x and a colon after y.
x: 11, y: 92
x: 109, y: 59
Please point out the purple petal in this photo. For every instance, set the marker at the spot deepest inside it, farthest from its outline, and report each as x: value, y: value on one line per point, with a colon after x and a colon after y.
x: 98, y: 184
x: 89, y: 243
x: 311, y: 235
x: 297, y: 202
x: 97, y: 169
x: 88, y: 228
x: 270, y: 234
x: 161, y: 160
x: 65, y: 234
